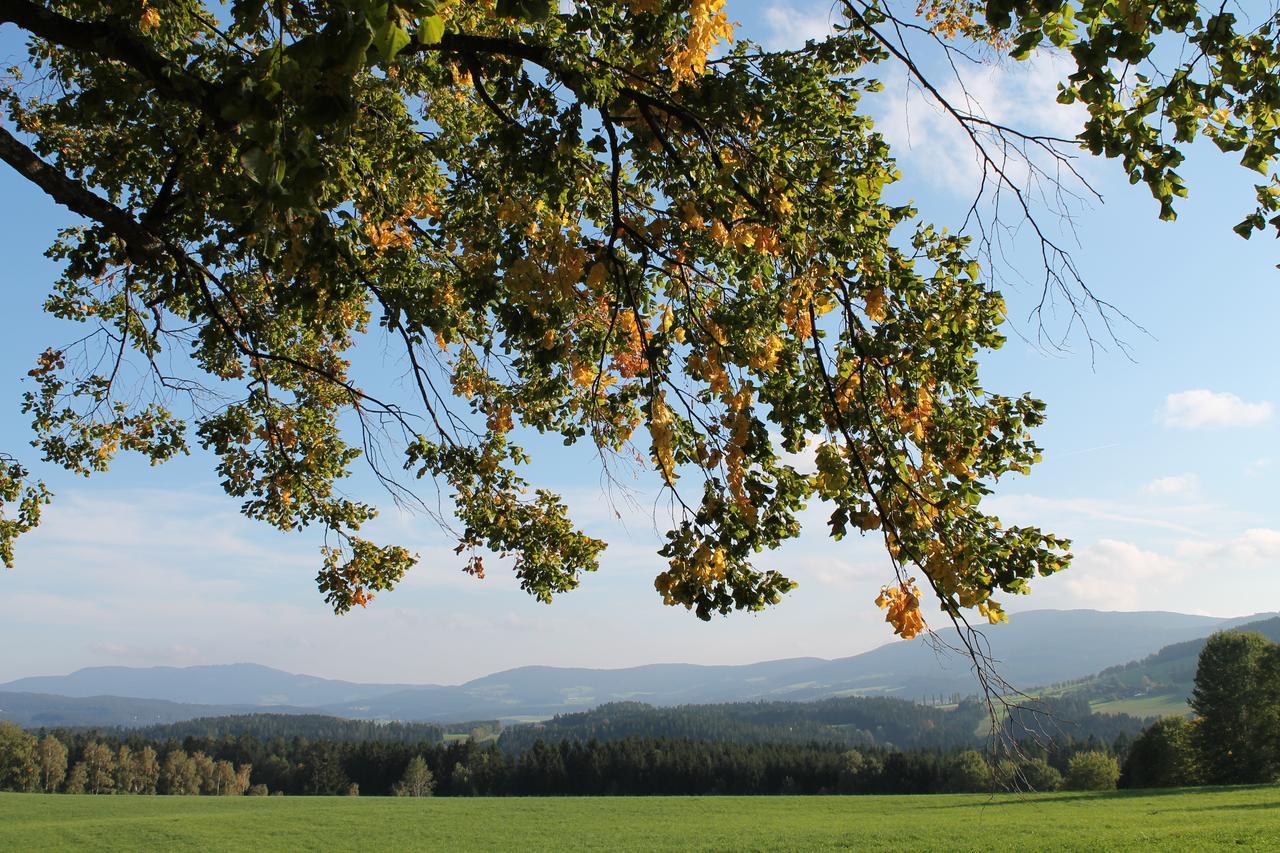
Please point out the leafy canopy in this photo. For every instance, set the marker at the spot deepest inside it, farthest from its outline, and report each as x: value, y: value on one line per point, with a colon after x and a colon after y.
x: 607, y: 221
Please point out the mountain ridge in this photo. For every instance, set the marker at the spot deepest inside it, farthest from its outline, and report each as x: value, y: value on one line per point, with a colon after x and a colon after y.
x: 1039, y: 647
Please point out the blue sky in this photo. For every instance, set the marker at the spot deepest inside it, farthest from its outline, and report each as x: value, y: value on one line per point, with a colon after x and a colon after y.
x: 1159, y: 463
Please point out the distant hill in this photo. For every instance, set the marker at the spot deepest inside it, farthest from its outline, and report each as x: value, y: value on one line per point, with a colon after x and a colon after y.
x: 229, y: 684
x: 41, y: 710
x: 1036, y: 648
x: 1158, y: 684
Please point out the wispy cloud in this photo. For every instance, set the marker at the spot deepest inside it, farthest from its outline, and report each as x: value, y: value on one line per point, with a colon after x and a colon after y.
x: 1032, y: 509
x: 790, y: 27
x: 1204, y: 409
x: 1020, y: 94
x: 1259, y: 546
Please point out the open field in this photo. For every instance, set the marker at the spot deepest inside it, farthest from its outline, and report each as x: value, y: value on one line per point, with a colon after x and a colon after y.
x: 1156, y: 705
x: 1240, y: 818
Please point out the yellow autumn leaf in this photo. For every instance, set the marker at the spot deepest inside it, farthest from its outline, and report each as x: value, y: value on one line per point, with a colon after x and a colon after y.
x: 876, y: 303
x: 149, y: 20
x: 597, y: 276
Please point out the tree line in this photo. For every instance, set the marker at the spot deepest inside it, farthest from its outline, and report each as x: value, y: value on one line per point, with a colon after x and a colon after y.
x: 857, y: 722
x: 1235, y: 735
x: 310, y: 726
x: 76, y: 764
x: 94, y: 763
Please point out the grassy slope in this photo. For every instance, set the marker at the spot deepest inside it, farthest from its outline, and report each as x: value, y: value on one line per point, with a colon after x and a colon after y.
x: 1240, y: 818
x: 1172, y: 669
x: 1153, y: 705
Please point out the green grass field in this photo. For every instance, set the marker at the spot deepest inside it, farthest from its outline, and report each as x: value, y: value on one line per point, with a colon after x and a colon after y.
x: 1157, y: 705
x: 1238, y: 818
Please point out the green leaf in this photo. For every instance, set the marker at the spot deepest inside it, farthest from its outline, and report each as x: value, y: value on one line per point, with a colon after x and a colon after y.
x: 431, y: 31
x: 258, y: 163
x: 389, y: 38
x: 1025, y: 45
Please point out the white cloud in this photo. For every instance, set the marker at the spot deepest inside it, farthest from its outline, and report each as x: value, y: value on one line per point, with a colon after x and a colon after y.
x: 1111, y: 574
x: 790, y: 28
x: 806, y: 460
x: 1256, y: 546
x: 1126, y: 560
x: 1021, y: 95
x: 1115, y: 575
x: 1175, y: 485
x: 1204, y: 409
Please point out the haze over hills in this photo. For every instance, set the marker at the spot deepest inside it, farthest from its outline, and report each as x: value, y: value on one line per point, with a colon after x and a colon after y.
x: 43, y: 710
x: 1036, y: 648
x: 227, y: 684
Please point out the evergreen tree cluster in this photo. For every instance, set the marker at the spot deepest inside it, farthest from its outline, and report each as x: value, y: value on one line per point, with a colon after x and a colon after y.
x: 310, y: 726
x: 858, y: 722
x: 87, y: 762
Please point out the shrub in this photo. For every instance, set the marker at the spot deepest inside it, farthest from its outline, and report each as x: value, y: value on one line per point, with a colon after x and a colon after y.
x: 1163, y: 756
x: 1092, y: 771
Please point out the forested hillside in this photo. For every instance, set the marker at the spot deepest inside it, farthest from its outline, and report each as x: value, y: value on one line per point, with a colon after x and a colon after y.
x: 860, y: 722
x: 1161, y: 682
x: 308, y: 726
x: 853, y: 721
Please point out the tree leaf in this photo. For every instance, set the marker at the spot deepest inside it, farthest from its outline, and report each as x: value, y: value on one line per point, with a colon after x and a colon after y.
x: 431, y: 31
x: 258, y: 163
x: 389, y: 38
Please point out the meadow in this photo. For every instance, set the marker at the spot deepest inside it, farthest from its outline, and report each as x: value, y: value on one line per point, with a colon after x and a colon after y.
x: 1246, y: 818
x: 1156, y: 705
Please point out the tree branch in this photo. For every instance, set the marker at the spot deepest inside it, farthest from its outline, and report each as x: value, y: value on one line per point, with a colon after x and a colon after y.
x: 140, y: 243
x: 111, y: 41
